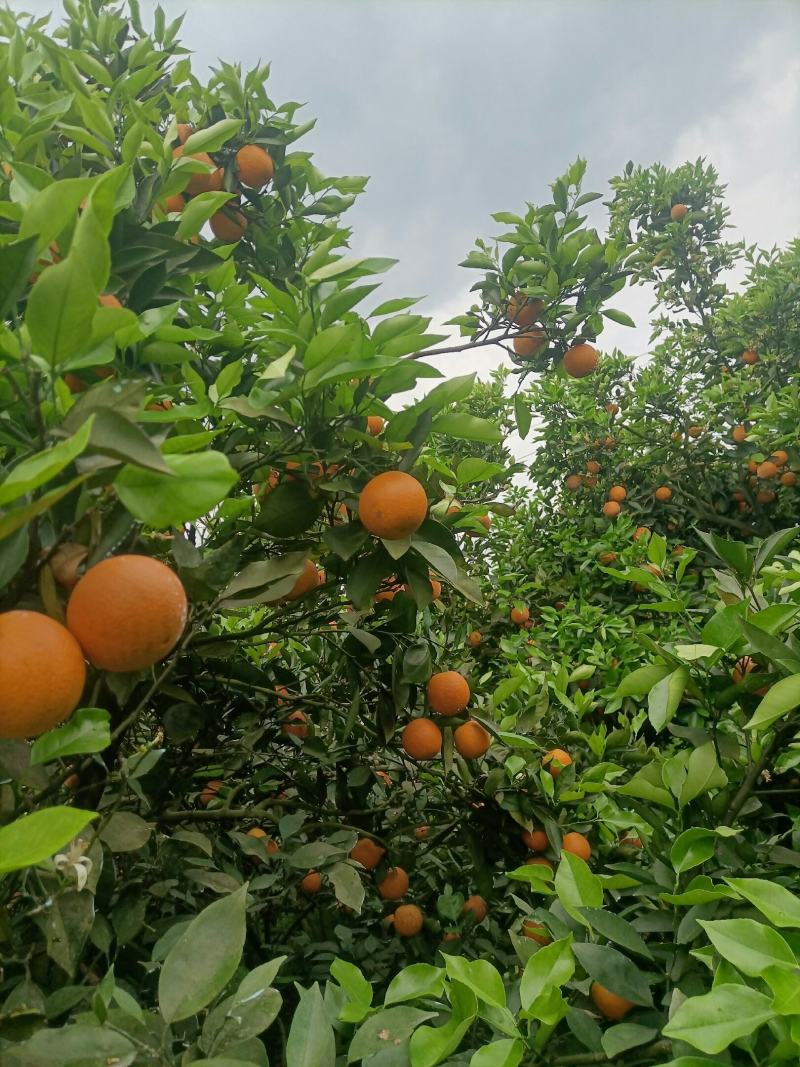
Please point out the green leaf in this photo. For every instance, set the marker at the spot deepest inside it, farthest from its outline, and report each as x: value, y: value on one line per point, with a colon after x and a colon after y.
x: 204, y: 959
x: 616, y: 929
x: 781, y: 698
x: 125, y: 832
x: 639, y: 682
x: 618, y: 316
x: 478, y: 975
x: 549, y: 968
x: 352, y: 981
x: 311, y: 1041
x: 52, y: 209
x: 333, y: 345
x: 773, y: 900
x: 431, y: 1044
x: 89, y: 1046
x: 345, y: 539
x: 507, y: 1052
x: 33, y: 838
x: 577, y: 887
x: 614, y: 971
x: 87, y: 731
x: 438, y: 557
x: 780, y: 654
x: 750, y: 946
x: 703, y: 774
x: 38, y: 469
x: 418, y: 980
x: 665, y: 696
x: 212, y: 138
x: 467, y: 427
x: 347, y: 885
x: 523, y: 415
x: 18, y: 517
x: 115, y: 436
x: 60, y: 311
x: 618, y: 1039
x: 197, y: 484
x: 693, y: 847
x: 772, y: 545
x: 712, y: 1022
x: 391, y: 1027
x: 16, y: 264
x: 198, y: 211
x: 474, y: 469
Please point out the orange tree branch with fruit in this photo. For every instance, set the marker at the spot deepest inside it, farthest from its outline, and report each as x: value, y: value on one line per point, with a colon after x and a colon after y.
x: 319, y: 741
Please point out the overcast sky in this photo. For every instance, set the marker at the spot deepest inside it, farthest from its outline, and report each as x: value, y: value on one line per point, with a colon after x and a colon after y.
x: 458, y: 108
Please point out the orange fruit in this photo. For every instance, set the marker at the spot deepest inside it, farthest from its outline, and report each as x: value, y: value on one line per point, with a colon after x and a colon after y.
x: 422, y: 739
x: 611, y: 509
x: 254, y: 166
x: 520, y: 615
x: 42, y: 674
x: 184, y: 132
x: 609, y: 1004
x: 576, y: 844
x: 612, y: 409
x: 394, y: 884
x: 630, y: 842
x: 295, y: 724
x: 210, y: 790
x: 203, y: 181
x: 485, y: 521
x: 529, y: 343
x: 750, y: 356
x: 228, y: 226
x: 524, y: 310
x: 640, y: 532
x: 173, y: 204
x: 65, y: 563
x: 408, y: 920
x: 556, y: 760
x: 593, y: 467
x: 780, y: 457
x: 74, y: 383
x: 590, y: 482
x: 742, y: 667
x: 448, y: 693
x: 536, y: 931
x: 765, y: 496
x: 663, y: 493
x: 367, y: 853
x: 539, y: 861
x: 678, y: 212
x: 127, y: 612
x: 307, y: 580
x: 617, y: 493
x: 436, y: 589
x: 607, y: 558
x: 695, y: 431
x: 767, y: 469
x: 422, y: 832
x: 789, y: 478
x: 472, y: 740
x: 581, y: 360
x: 739, y: 434
x: 573, y: 482
x: 535, y: 840
x: 451, y: 935
x: 476, y: 906
x: 392, y: 505
x: 375, y: 424
x: 311, y: 884
x: 474, y: 639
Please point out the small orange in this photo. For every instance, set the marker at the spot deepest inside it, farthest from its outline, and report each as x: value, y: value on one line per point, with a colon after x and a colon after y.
x: 527, y: 344
x: 607, y: 558
x: 204, y: 181
x: 767, y: 469
x: 576, y: 844
x: 422, y: 833
x: 254, y: 166
x: 536, y: 931
x: 228, y: 226
x: 108, y: 300
x: 580, y: 360
x: 524, y: 311
x: 209, y: 791
x: 184, y: 132
x: 173, y: 204
x: 556, y: 760
x: 312, y: 883
x: 65, y: 563
x: 593, y: 467
x: 422, y: 739
x: 663, y: 493
x: 451, y: 935
x: 750, y: 356
x: 408, y: 920
x: 765, y: 496
x: 474, y: 639
x: 641, y: 532
x: 367, y: 853
x: 436, y: 589
x: 678, y: 212
x: 476, y: 906
x: 375, y: 424
x: 789, y: 478
x: 609, y: 1004
x: 539, y: 861
x: 617, y: 493
x: 739, y: 434
x: 295, y: 724
x: 780, y: 457
x: 573, y: 482
x: 472, y: 740
x: 394, y: 884
x: 612, y: 409
x: 392, y: 505
x: 611, y: 509
x: 448, y: 693
x: 695, y: 431
x: 535, y: 840
x: 307, y: 580
x: 520, y: 616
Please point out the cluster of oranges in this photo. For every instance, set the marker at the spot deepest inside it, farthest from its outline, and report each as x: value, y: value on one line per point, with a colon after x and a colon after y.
x: 524, y: 311
x: 448, y: 695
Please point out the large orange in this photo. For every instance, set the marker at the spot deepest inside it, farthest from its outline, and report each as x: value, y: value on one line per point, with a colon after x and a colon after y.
x: 581, y: 360
x: 392, y: 505
x: 254, y: 165
x: 448, y: 693
x: 228, y: 226
x: 476, y: 906
x: 367, y: 853
x: 530, y: 342
x: 576, y: 844
x: 617, y: 493
x: 312, y: 883
x: 408, y: 920
x: 524, y: 310
x: 593, y: 467
x: 750, y: 356
x: 780, y: 457
x: 520, y: 616
x: 767, y: 469
x: 609, y: 1004
x: 127, y: 612
x: 663, y: 493
x: 556, y: 760
x: 307, y: 580
x: 539, y: 861
x: 573, y: 482
x: 535, y: 840
x: 184, y: 131
x: 422, y: 739
x: 394, y: 884
x: 472, y: 740
x: 611, y: 509
x: 678, y: 212
x: 42, y: 673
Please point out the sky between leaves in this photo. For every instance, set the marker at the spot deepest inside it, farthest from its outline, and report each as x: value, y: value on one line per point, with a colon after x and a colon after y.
x: 458, y: 108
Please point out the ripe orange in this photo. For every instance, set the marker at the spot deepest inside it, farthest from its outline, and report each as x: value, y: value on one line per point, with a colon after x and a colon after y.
x: 750, y: 356
x: 535, y: 840
x: 640, y: 532
x: 474, y: 639
x: 576, y: 844
x: 392, y: 505
x: 539, y: 861
x: 42, y: 674
x: 367, y: 853
x: 210, y: 790
x: 580, y: 360
x: 536, y: 931
x: 307, y: 580
x: 609, y: 1004
x: 739, y: 434
x: 108, y: 300
x: 520, y: 616
x: 311, y: 884
x: 394, y: 884
x: 678, y: 212
x: 742, y: 667
x: 173, y: 204
x: 606, y: 558
x: 436, y: 589
x: 663, y: 493
x: 375, y: 424
x: 767, y: 469
x: 789, y: 478
x: 295, y: 724
x: 422, y: 832
x: 529, y: 343
x: 408, y: 920
x: 204, y: 181
x: 422, y: 739
x: 765, y: 496
x: 448, y: 693
x: 524, y: 311
x: 556, y: 760
x: 476, y: 906
x: 573, y: 482
x: 184, y: 131
x: 617, y: 493
x: 695, y: 431
x: 65, y: 563
x: 630, y: 842
x: 451, y: 935
x: 127, y: 612
x: 254, y: 166
x: 472, y: 740
x: 611, y: 509
x: 228, y: 226
x: 593, y: 467
x: 612, y: 409
x: 780, y: 457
